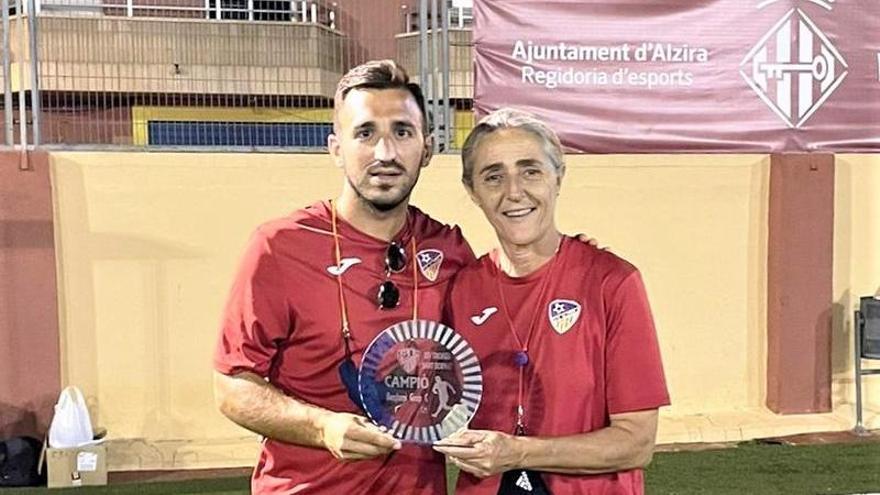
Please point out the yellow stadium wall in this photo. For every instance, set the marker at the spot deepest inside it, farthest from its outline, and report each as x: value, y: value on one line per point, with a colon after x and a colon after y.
x: 147, y: 245
x: 856, y: 274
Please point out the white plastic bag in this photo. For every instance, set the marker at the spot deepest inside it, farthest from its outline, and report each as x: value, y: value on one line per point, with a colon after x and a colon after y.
x: 71, y: 426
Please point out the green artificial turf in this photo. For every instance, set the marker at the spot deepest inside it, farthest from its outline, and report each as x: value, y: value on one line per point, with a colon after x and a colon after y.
x: 758, y: 469
x: 750, y: 468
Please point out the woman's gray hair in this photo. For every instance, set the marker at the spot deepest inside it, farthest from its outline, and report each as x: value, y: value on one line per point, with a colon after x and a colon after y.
x: 509, y: 118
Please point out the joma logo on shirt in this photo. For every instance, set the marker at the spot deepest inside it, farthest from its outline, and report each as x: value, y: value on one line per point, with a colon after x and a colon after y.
x: 484, y: 315
x: 344, y: 264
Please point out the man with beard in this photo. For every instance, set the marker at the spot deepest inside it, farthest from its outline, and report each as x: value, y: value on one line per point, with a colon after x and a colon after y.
x: 313, y: 290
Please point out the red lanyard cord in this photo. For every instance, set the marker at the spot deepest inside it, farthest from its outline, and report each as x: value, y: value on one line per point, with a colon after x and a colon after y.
x: 415, y: 296
x: 343, y: 308
x: 522, y: 357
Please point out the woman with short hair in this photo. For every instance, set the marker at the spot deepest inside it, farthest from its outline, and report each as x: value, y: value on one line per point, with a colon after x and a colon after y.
x: 572, y: 371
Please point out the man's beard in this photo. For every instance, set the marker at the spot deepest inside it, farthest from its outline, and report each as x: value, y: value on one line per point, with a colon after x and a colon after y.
x: 383, y: 205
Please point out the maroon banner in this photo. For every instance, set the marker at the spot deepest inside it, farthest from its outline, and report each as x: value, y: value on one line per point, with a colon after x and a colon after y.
x: 642, y: 76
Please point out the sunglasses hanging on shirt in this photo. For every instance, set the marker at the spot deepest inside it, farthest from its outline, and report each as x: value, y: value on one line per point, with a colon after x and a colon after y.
x: 388, y: 297
x: 395, y: 262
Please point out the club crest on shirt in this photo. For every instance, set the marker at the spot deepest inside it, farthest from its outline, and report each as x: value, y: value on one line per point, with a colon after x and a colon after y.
x: 563, y: 314
x: 429, y: 263
x: 408, y: 359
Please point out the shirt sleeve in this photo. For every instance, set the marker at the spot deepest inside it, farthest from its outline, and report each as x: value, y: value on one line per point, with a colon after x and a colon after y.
x: 257, y: 316
x: 633, y: 367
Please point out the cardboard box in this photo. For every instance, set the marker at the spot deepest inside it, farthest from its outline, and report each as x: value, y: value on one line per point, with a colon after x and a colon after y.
x: 76, y: 466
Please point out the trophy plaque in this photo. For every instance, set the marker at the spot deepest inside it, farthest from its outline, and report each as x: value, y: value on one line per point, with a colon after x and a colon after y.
x: 420, y: 380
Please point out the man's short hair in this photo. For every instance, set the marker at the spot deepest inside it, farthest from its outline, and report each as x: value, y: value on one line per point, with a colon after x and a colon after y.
x: 509, y: 118
x: 378, y: 74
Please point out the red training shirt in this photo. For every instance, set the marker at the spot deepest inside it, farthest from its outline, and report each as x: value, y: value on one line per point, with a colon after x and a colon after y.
x: 593, y: 352
x: 282, y: 321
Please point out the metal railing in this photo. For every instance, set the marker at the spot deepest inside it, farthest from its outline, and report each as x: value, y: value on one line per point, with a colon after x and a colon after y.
x: 249, y: 10
x: 214, y: 74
